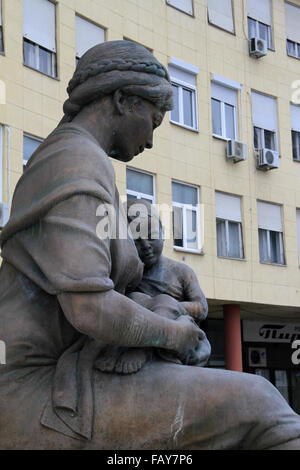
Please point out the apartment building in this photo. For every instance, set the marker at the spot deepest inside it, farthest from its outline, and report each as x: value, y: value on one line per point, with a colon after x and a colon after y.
x: 226, y: 159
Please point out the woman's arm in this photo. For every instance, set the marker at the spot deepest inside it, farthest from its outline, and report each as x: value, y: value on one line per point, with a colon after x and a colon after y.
x: 112, y: 318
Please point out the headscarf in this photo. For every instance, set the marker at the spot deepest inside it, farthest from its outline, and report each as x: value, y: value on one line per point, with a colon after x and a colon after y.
x: 118, y: 65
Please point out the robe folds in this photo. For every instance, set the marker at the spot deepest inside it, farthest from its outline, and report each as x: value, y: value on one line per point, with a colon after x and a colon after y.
x: 50, y: 246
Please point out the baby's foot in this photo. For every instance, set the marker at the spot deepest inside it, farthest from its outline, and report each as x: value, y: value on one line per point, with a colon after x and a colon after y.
x: 131, y: 361
x: 108, y: 359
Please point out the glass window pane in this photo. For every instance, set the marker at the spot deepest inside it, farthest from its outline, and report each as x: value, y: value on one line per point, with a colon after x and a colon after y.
x: 178, y: 226
x: 269, y: 140
x: 263, y: 245
x: 187, y: 96
x: 275, y: 256
x: 229, y: 121
x: 216, y: 116
x: 281, y: 383
x: 29, y: 54
x: 296, y: 145
x: 139, y: 182
x: 29, y: 147
x: 251, y: 28
x: 263, y: 373
x: 290, y: 47
x: 263, y: 31
x: 191, y: 229
x: 45, y: 61
x: 258, y: 138
x: 221, y: 238
x: 1, y: 39
x: 184, y: 194
x: 298, y: 51
x: 234, y: 239
x: 295, y: 389
x: 175, y: 110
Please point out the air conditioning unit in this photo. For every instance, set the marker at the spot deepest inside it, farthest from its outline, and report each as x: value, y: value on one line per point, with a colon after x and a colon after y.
x: 267, y: 159
x: 237, y: 151
x: 257, y: 357
x: 4, y: 214
x: 258, y: 47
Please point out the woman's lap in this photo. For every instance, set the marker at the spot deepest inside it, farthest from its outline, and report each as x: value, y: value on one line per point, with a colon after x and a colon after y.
x: 163, y: 406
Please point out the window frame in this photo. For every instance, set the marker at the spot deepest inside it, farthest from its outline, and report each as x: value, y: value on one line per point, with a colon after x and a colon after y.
x: 270, y: 41
x: 37, y: 48
x: 184, y: 85
x: 223, y: 121
x: 138, y: 194
x: 296, y: 46
x: 2, y: 51
x: 263, y: 139
x: 32, y: 137
x: 227, y: 245
x: 184, y: 208
x: 281, y: 247
x: 183, y: 11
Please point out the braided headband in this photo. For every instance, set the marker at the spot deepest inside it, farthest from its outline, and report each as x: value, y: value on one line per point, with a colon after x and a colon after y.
x: 119, y: 65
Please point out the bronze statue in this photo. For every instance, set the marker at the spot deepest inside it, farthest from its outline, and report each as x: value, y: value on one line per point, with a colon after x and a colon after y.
x: 62, y: 295
x: 165, y: 282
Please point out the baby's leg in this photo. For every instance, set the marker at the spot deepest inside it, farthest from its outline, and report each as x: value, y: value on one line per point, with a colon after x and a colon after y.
x: 108, y: 359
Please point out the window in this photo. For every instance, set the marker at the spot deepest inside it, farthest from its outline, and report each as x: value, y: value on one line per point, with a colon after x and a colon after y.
x: 39, y: 36
x: 30, y: 144
x: 260, y: 21
x: 220, y: 14
x: 270, y: 233
x: 87, y: 35
x: 298, y: 232
x: 264, y: 117
x: 229, y: 226
x: 186, y: 216
x: 224, y: 111
x: 140, y: 185
x: 292, y: 19
x: 184, y: 94
x: 184, y: 5
x: 295, y: 123
x: 1, y: 32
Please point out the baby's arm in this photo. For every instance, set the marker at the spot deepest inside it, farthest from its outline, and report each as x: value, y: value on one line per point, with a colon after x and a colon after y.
x: 193, y: 300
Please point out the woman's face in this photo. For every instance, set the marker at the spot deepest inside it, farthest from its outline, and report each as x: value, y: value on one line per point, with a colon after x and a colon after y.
x: 135, y: 128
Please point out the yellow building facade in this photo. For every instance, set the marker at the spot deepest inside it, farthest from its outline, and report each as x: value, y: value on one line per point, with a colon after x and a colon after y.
x: 207, y: 41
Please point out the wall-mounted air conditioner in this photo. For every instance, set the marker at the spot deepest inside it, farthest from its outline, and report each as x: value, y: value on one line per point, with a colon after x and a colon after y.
x: 267, y: 159
x: 258, y: 47
x: 237, y: 151
x: 257, y: 357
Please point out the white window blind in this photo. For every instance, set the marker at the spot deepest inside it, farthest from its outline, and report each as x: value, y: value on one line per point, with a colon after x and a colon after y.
x: 264, y: 111
x: 260, y: 10
x: 292, y: 17
x: 184, y: 5
x: 39, y: 24
x: 0, y: 12
x: 181, y: 75
x: 295, y: 117
x: 224, y: 94
x: 269, y: 216
x: 298, y: 232
x: 87, y: 35
x: 220, y: 14
x: 228, y: 207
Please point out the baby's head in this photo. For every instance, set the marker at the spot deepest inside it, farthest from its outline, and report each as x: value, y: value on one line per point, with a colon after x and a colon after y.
x: 147, y: 230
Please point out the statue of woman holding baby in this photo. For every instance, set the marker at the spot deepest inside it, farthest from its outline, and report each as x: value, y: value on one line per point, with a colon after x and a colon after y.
x: 62, y: 295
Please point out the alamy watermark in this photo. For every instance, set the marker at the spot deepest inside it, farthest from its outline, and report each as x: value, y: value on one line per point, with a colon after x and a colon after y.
x: 2, y: 353
x: 296, y: 354
x: 296, y: 93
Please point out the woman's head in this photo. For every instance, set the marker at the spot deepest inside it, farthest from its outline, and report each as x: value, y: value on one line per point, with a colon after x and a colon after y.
x: 118, y: 65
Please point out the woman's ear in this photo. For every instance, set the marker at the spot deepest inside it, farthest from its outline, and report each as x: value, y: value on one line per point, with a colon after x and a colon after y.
x: 119, y: 101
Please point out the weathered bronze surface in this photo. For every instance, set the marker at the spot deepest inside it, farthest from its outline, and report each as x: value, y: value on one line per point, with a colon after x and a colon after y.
x: 63, y: 295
